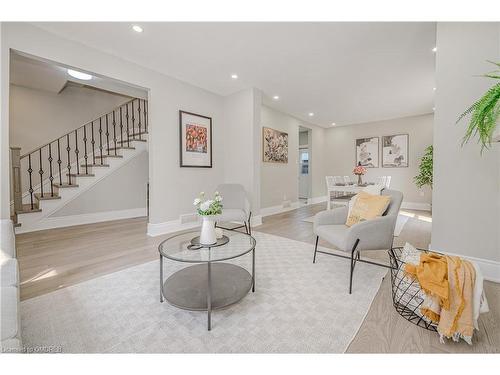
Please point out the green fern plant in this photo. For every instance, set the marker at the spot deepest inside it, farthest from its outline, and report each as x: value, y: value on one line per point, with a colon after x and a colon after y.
x: 484, y: 113
x: 424, y: 176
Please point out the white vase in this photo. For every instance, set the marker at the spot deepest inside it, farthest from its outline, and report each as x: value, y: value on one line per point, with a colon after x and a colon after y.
x: 207, y: 236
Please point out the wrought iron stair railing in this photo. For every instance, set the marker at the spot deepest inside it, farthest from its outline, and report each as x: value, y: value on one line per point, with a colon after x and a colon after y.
x: 38, y: 174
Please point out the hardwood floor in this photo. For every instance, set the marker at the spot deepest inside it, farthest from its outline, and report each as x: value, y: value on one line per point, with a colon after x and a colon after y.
x: 57, y: 258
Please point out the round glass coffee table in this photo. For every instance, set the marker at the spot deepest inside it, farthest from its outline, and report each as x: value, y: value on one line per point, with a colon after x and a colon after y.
x: 210, y: 283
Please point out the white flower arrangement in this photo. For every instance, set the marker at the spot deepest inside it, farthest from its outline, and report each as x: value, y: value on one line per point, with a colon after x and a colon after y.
x: 209, y: 206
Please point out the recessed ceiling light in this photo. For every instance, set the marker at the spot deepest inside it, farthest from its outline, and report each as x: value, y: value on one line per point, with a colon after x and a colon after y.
x: 234, y: 76
x: 79, y: 75
x: 137, y: 28
x: 333, y: 124
x: 311, y: 114
x: 434, y: 49
x: 433, y: 108
x: 434, y: 88
x: 276, y: 97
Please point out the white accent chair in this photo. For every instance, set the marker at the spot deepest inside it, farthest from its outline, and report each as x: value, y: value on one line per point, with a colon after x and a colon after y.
x: 374, y: 234
x: 235, y: 206
x: 10, y: 322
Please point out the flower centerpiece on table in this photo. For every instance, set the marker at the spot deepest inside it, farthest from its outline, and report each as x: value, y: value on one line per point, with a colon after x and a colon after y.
x: 208, y: 209
x: 359, y: 171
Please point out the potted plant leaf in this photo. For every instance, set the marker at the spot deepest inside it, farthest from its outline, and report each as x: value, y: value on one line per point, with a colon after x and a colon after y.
x: 424, y: 176
x: 485, y: 113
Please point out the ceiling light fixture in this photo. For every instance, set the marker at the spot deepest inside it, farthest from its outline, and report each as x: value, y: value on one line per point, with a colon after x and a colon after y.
x: 333, y: 124
x: 434, y: 49
x: 137, y: 28
x: 234, y: 76
x: 79, y: 75
x: 311, y: 114
x: 433, y: 108
x: 434, y: 88
x: 276, y: 97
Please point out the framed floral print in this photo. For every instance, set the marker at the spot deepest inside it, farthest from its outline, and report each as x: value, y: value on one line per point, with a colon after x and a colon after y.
x: 195, y: 140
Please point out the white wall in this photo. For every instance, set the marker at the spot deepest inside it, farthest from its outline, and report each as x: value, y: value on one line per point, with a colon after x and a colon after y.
x: 37, y: 117
x: 340, y: 153
x: 171, y: 188
x: 124, y: 189
x: 241, y: 142
x: 466, y: 194
x: 279, y: 182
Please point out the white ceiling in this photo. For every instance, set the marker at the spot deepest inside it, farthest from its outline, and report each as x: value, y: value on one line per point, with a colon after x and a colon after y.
x: 345, y: 73
x: 39, y: 74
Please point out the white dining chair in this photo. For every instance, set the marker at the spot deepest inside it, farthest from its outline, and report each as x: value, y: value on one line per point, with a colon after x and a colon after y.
x: 382, y: 180
x: 387, y: 181
x: 334, y: 195
x: 347, y: 180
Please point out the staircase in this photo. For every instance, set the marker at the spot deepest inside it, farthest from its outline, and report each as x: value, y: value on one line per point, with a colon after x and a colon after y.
x: 49, y: 177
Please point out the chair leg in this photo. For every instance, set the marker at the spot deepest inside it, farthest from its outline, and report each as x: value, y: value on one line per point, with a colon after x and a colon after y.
x: 315, y: 249
x: 353, y: 263
x: 249, y: 226
x: 246, y: 227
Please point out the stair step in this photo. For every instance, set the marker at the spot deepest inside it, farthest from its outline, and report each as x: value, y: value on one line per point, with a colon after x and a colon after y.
x: 94, y: 165
x: 121, y: 148
x: 65, y: 186
x: 46, y: 196
x: 80, y: 174
x: 28, y: 210
x: 132, y: 140
x: 109, y: 156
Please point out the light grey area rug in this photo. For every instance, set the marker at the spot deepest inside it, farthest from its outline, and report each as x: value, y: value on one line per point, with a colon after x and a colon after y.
x: 297, y: 307
x: 400, y: 223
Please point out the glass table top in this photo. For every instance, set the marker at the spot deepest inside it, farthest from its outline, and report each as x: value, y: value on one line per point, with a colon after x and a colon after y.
x: 176, y: 247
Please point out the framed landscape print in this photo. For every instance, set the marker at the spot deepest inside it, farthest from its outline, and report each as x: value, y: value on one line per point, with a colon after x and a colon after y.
x: 395, y: 151
x: 274, y: 146
x: 195, y: 140
x: 367, y: 152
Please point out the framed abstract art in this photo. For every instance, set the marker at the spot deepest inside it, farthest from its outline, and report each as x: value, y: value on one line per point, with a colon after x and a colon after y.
x: 195, y: 140
x: 274, y: 146
x: 395, y: 151
x: 367, y: 152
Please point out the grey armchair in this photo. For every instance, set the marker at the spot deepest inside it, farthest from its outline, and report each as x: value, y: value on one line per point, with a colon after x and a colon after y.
x: 235, y: 206
x: 375, y: 234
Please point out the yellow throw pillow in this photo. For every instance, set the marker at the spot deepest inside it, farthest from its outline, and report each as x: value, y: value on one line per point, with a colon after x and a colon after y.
x: 366, y: 207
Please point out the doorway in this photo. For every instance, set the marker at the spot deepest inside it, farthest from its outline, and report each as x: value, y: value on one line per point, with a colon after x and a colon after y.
x: 304, y: 173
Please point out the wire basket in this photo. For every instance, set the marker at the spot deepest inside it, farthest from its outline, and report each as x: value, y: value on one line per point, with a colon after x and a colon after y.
x: 407, y: 296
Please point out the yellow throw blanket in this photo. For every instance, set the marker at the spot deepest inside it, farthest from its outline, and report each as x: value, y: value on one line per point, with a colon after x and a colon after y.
x: 448, y: 282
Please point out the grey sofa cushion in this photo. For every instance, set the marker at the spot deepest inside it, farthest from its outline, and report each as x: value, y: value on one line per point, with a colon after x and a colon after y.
x: 11, y: 346
x: 9, y: 271
x: 7, y: 239
x: 9, y: 320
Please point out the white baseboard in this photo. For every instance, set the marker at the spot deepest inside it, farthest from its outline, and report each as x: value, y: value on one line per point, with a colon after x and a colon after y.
x: 273, y: 210
x: 178, y: 225
x: 172, y: 226
x: 416, y: 206
x: 489, y: 268
x: 71, y: 220
x: 256, y: 220
x: 316, y: 200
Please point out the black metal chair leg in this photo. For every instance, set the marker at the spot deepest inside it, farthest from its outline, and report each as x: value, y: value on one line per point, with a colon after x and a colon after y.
x: 353, y: 264
x: 246, y: 228
x: 249, y: 228
x: 315, y: 249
